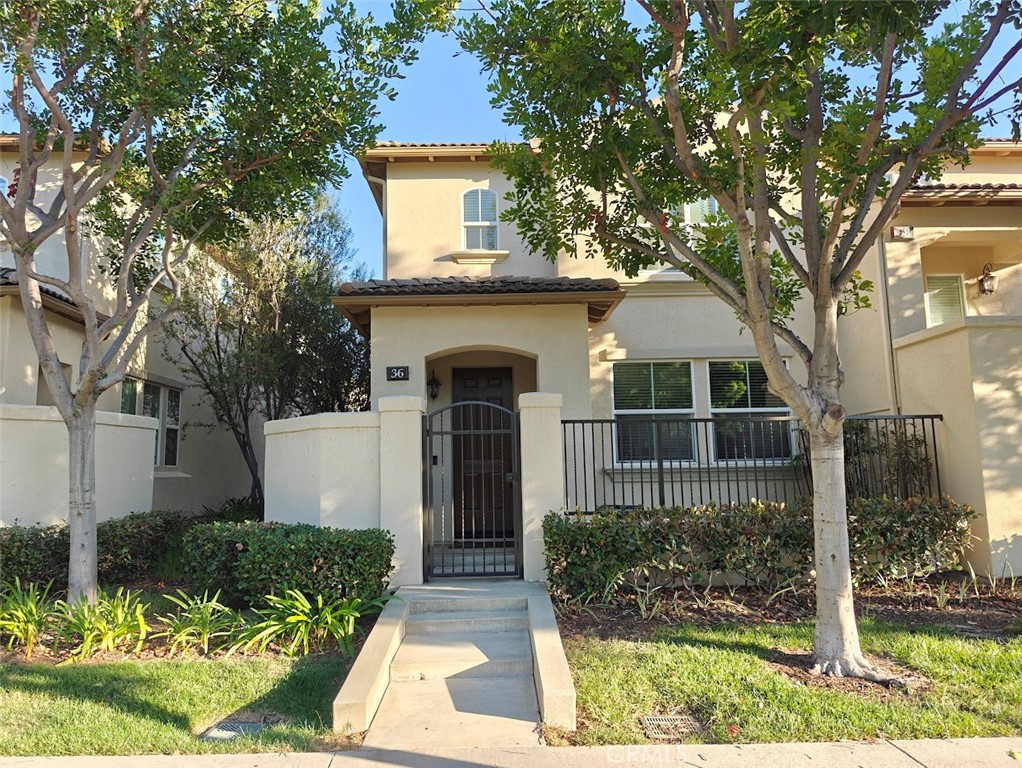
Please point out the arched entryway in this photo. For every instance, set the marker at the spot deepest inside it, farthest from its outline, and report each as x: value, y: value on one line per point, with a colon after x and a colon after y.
x: 472, y: 492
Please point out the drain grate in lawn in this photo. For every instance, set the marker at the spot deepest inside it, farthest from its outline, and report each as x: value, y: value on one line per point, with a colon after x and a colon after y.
x: 669, y: 727
x: 228, y: 730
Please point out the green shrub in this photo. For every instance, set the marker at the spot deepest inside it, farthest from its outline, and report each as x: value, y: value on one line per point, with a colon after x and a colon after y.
x: 114, y: 622
x: 128, y: 548
x: 249, y: 560
x: 605, y: 555
x: 26, y: 612
x: 198, y: 622
x: 295, y: 622
x: 897, y: 539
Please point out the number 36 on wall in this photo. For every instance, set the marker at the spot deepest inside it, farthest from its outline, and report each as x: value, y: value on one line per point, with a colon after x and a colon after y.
x: 397, y: 373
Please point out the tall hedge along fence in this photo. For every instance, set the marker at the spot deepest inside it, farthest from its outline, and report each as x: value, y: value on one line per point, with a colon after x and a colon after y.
x: 128, y: 548
x: 249, y: 560
x: 605, y: 556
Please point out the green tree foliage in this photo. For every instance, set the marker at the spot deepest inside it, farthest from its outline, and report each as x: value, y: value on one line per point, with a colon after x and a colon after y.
x: 258, y: 335
x: 169, y: 123
x: 804, y: 121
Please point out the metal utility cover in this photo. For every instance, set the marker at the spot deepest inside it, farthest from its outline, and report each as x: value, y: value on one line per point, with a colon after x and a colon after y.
x: 669, y: 727
x: 226, y: 731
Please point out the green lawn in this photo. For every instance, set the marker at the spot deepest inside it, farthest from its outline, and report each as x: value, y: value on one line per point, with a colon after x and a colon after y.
x: 144, y: 707
x: 721, y: 676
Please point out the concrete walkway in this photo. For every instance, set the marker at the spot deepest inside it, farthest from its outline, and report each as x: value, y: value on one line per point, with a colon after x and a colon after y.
x: 925, y: 753
x: 463, y: 674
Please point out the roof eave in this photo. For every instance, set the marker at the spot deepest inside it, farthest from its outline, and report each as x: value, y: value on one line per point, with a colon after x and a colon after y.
x: 358, y: 309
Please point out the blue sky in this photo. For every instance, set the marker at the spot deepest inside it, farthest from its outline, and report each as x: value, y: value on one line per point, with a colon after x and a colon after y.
x: 442, y: 98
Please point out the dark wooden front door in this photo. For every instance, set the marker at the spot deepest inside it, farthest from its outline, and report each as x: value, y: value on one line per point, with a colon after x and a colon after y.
x: 483, y: 456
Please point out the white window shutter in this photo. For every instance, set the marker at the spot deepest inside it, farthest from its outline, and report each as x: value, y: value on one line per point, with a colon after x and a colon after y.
x: 472, y: 205
x: 488, y: 205
x: 944, y: 300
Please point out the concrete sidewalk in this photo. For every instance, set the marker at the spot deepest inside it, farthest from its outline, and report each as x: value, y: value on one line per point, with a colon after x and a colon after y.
x: 929, y: 753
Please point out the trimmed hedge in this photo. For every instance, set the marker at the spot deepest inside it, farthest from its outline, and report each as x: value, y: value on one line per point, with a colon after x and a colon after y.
x: 128, y: 548
x: 249, y: 560
x: 602, y: 556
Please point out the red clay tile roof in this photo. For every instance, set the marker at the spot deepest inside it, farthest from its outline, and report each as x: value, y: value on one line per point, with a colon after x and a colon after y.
x: 929, y: 186
x: 476, y: 286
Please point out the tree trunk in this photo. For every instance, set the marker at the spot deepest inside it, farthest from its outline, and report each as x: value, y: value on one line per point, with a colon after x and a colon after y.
x: 83, y: 562
x: 836, y: 647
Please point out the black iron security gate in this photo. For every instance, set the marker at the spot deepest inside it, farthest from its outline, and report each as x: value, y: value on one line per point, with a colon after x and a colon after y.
x: 472, y: 499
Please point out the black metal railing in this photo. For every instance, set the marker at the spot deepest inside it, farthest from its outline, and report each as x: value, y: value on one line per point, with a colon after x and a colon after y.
x: 645, y: 461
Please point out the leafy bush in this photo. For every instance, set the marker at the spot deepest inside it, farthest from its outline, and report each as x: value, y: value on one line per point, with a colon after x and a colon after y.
x: 602, y: 556
x: 249, y: 560
x: 198, y: 621
x: 113, y: 622
x: 296, y: 623
x: 897, y: 539
x: 128, y: 548
x: 26, y: 612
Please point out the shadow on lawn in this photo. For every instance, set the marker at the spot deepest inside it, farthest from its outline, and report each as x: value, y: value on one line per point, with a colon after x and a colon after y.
x: 302, y: 697
x: 769, y: 648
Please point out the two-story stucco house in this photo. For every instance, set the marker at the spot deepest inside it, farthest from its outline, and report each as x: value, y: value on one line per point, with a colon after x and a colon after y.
x: 596, y: 389
x: 149, y: 452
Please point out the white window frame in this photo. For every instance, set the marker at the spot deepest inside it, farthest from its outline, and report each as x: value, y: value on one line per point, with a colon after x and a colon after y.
x: 653, y: 412
x: 781, y: 411
x: 466, y: 225
x: 926, y: 295
x: 161, y: 432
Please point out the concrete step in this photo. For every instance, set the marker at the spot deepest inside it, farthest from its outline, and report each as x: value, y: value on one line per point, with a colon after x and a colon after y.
x: 458, y: 604
x: 429, y: 714
x: 466, y: 621
x: 462, y: 655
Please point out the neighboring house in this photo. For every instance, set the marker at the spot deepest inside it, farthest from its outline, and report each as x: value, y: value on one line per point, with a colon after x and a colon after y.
x: 661, y: 395
x: 150, y: 451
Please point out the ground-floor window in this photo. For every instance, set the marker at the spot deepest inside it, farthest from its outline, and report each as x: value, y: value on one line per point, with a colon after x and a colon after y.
x: 162, y: 403
x: 654, y: 405
x: 738, y: 392
x: 662, y: 390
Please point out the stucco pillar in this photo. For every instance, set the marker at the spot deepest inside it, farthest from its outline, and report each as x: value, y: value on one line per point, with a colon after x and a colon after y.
x: 542, y: 470
x: 401, y: 483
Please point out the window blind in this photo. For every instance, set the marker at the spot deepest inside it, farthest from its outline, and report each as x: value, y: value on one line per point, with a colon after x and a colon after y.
x: 944, y: 299
x: 652, y: 386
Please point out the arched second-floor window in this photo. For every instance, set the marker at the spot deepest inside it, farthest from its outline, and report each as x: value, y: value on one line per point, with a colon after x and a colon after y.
x: 479, y: 219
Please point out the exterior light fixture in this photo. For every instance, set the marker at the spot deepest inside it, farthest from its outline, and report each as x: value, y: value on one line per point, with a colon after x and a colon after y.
x: 987, y: 281
x: 433, y: 386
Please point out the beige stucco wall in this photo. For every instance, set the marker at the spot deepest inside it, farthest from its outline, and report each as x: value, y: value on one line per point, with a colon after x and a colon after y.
x: 969, y: 371
x: 424, y: 222
x: 556, y: 336
x: 51, y: 256
x: 210, y: 468
x: 34, y: 471
x: 324, y: 470
x: 19, y: 364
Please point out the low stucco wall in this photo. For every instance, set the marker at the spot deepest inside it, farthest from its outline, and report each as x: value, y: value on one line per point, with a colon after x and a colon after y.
x: 324, y: 470
x: 969, y: 371
x: 34, y: 471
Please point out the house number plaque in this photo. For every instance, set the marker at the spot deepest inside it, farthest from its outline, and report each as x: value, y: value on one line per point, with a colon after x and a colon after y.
x: 397, y: 373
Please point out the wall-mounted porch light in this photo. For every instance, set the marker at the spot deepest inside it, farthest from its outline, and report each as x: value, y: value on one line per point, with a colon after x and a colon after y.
x: 987, y: 281
x: 433, y: 386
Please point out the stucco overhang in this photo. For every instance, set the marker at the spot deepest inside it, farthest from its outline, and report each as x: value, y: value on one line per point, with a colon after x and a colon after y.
x: 374, y: 161
x: 357, y: 300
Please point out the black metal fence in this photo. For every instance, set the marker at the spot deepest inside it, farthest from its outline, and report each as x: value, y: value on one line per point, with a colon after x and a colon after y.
x: 644, y: 461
